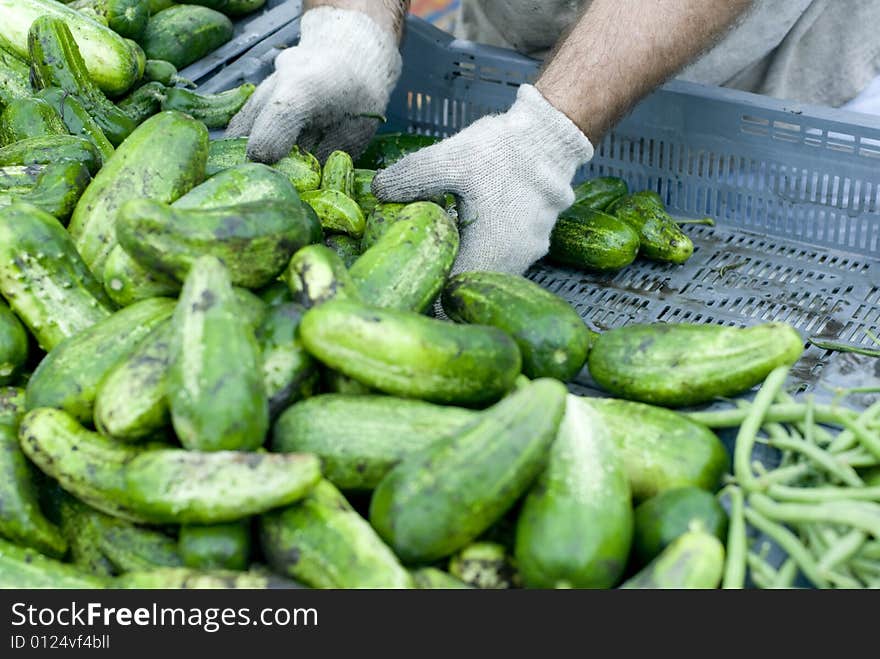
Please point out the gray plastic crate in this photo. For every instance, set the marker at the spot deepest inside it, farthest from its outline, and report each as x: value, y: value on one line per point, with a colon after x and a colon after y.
x: 794, y: 189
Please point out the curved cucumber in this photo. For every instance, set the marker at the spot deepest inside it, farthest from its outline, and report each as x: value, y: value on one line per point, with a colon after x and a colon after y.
x: 68, y: 377
x: 162, y: 485
x: 575, y: 527
x: 406, y: 268
x: 438, y: 500
x: 44, y: 279
x: 143, y: 102
x: 409, y: 355
x: 688, y: 364
x: 214, y: 110
x: 551, y: 336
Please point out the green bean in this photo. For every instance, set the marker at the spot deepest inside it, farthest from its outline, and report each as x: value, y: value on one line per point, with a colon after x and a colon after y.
x: 858, y: 514
x: 782, y: 475
x: 789, y: 543
x: 822, y: 494
x: 779, y: 412
x: 745, y: 437
x: 869, y: 441
x: 809, y: 421
x: 844, y: 580
x: 737, y: 545
x: 871, y: 551
x: 842, y: 550
x: 760, y: 571
x: 762, y: 581
x: 849, y: 437
x: 822, y: 459
x: 864, y: 565
x: 857, y: 457
x: 786, y: 575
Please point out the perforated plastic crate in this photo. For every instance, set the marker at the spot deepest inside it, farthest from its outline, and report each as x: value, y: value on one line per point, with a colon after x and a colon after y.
x: 794, y: 190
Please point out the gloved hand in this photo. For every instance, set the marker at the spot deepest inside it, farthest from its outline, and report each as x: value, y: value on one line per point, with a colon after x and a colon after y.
x: 344, y: 67
x: 511, y: 175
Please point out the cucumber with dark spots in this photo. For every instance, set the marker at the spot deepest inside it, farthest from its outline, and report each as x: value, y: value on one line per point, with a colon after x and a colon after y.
x: 338, y: 173
x: 590, y: 239
x: 660, y: 237
x: 126, y: 281
x: 316, y: 274
x: 143, y: 102
x: 347, y: 248
x: 214, y: 110
x: 380, y: 218
x: 159, y: 485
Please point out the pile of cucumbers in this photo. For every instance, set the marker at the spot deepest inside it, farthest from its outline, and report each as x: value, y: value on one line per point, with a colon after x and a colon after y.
x: 218, y: 373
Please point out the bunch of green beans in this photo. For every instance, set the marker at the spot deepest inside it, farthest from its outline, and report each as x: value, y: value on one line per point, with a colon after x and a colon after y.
x: 821, y: 505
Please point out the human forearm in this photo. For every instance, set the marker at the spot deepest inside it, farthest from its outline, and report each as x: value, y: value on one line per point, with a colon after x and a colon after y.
x: 622, y: 49
x: 388, y: 14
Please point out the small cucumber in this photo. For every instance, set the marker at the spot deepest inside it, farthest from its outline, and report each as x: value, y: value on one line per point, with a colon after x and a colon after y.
x: 316, y: 274
x: 440, y: 499
x: 551, y: 336
x: 361, y: 438
x: 13, y: 345
x: 662, y: 519
x: 215, y: 386
x: 412, y: 356
x: 660, y: 238
x: 143, y: 102
x: 590, y: 239
x: 302, y: 168
x: 575, y: 527
x: 214, y: 110
x: 44, y: 279
x: 289, y: 372
x: 240, y: 184
x: 347, y: 248
x: 687, y: 364
x: 363, y: 190
x: 26, y: 118
x: 381, y: 218
x: 406, y: 268
x: 183, y: 34
x: 69, y: 376
x: 216, y: 547
x: 162, y: 485
x: 324, y: 543
x: 338, y: 173
x: 694, y: 560
x: 156, y: 70
x: 661, y: 449
x: 337, y: 212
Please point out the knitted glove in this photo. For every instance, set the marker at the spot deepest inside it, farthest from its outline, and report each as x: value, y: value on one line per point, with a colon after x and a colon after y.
x: 344, y: 67
x: 511, y: 174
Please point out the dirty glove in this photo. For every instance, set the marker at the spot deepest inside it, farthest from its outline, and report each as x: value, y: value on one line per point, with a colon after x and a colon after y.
x: 511, y: 175
x: 344, y: 67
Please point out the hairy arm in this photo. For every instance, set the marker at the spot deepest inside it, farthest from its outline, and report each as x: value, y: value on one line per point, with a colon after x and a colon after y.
x: 620, y: 50
x: 388, y: 14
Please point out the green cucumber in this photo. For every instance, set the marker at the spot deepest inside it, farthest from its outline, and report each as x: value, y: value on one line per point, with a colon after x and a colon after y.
x: 25, y: 118
x: 661, y: 449
x: 14, y: 77
x: 59, y: 187
x: 316, y: 274
x: 240, y: 184
x: 551, y: 336
x: 83, y: 535
x: 301, y: 167
x: 131, y: 403
x: 687, y: 364
x: 163, y: 159
x: 13, y: 345
x: 694, y: 560
x: 172, y: 578
x: 338, y: 173
x: 225, y: 153
x: 412, y: 356
x: 183, y: 34
x: 143, y: 102
x: 363, y: 190
x: 660, y: 237
x: 387, y: 149
x: 44, y: 279
x: 322, y: 542
x: 127, y: 18
x: 214, y: 110
x: 406, y: 268
x: 216, y: 547
x: 440, y: 499
x: 215, y: 387
x: 334, y: 382
x: 590, y: 239
x: 337, y: 212
x: 599, y: 193
x: 662, y: 519
x: 576, y: 525
x: 23, y: 568
x: 361, y: 438
x: 242, y: 7
x: 160, y: 485
x: 255, y: 240
x: 109, y: 60
x: 156, y: 70
x: 127, y: 281
x: 289, y: 372
x: 347, y: 248
x: 56, y: 62
x: 22, y: 521
x: 158, y: 5
x: 485, y: 565
x: 77, y: 120
x: 381, y: 218
x: 140, y: 57
x: 430, y: 578
x: 68, y: 377
x: 48, y: 150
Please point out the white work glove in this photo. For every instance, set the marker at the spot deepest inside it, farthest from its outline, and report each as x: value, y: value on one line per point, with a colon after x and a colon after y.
x: 344, y: 67
x: 511, y: 175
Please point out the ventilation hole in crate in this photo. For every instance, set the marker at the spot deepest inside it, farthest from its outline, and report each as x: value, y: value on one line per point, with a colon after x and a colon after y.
x: 869, y: 148
x: 755, y: 126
